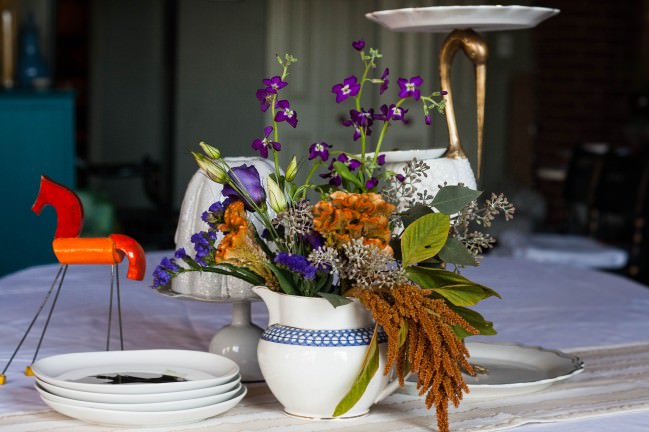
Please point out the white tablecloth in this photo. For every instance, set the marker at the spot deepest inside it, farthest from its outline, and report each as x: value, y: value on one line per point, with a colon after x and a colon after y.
x: 552, y: 306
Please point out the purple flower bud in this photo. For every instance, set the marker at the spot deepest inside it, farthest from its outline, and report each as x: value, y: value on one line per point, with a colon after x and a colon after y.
x: 428, y: 119
x: 381, y: 160
x: 336, y: 181
x: 246, y: 177
x: 401, y: 178
x: 443, y: 92
x: 359, y: 44
x: 372, y: 183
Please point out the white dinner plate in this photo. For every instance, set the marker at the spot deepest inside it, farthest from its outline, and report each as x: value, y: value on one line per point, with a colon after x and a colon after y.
x: 513, y: 369
x: 443, y: 19
x: 180, y: 404
x: 141, y: 419
x: 138, y: 398
x: 114, y: 371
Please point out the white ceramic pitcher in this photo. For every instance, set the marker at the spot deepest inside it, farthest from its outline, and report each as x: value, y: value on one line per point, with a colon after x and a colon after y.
x: 311, y: 353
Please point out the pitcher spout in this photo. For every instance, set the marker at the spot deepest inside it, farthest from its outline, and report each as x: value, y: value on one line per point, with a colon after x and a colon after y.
x: 271, y: 299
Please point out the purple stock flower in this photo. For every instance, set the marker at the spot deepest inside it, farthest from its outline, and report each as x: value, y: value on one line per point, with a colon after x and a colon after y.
x: 410, y: 87
x: 349, y: 87
x: 296, y: 263
x: 273, y: 84
x: 381, y: 160
x: 263, y: 96
x: 386, y: 81
x: 285, y: 113
x: 320, y: 149
x: 201, y: 241
x: 397, y: 113
x: 362, y: 118
x: 352, y: 164
x: 263, y: 144
x: 246, y: 177
x: 372, y: 183
x: 359, y: 44
x: 357, y: 129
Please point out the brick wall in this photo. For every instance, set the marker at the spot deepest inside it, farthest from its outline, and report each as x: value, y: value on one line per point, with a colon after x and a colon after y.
x: 586, y: 58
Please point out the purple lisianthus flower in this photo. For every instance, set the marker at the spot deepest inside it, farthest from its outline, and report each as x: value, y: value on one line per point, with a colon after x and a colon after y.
x: 320, y: 149
x: 263, y: 144
x: 372, y: 183
x: 359, y: 44
x: 264, y: 99
x: 386, y: 81
x: 381, y: 160
x: 410, y: 87
x: 273, y: 84
x: 296, y: 263
x: 349, y: 87
x: 285, y: 113
x: 246, y: 177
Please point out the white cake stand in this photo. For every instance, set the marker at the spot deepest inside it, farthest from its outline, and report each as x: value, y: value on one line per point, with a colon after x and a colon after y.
x: 236, y: 341
x: 463, y: 23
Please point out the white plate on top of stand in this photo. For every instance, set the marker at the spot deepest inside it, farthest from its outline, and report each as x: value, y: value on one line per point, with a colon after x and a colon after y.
x: 146, y: 418
x: 443, y: 19
x: 136, y: 372
x: 513, y: 370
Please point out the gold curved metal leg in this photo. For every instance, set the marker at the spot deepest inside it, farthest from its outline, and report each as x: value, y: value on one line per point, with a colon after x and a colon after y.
x: 475, y: 48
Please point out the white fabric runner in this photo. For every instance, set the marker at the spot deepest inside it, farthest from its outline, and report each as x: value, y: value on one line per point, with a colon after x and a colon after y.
x: 551, y: 306
x: 615, y: 379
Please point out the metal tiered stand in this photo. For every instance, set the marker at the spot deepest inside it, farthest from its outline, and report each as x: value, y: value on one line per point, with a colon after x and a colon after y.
x: 497, y: 374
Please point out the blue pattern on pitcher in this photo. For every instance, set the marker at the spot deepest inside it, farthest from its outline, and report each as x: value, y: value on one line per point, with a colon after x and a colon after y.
x: 323, y: 338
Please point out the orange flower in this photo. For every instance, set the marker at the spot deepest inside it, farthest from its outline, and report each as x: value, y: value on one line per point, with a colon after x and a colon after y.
x: 352, y: 216
x: 239, y: 246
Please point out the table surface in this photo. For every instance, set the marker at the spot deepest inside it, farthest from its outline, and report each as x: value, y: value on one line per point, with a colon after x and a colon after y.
x: 543, y: 305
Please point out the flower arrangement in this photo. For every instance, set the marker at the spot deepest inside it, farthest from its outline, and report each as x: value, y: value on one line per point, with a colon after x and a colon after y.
x: 371, y: 236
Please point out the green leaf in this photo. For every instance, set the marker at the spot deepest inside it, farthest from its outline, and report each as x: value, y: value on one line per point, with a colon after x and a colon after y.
x: 368, y: 369
x: 486, y: 328
x: 285, y: 282
x: 455, y: 252
x: 424, y: 238
x: 335, y: 299
x: 344, y: 172
x: 414, y: 213
x: 452, y: 199
x: 455, y: 288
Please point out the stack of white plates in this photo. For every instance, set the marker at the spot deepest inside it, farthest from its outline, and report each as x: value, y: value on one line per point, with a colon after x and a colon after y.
x: 139, y: 388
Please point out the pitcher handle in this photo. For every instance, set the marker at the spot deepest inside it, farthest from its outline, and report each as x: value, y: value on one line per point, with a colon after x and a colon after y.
x: 390, y: 388
x: 475, y: 48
